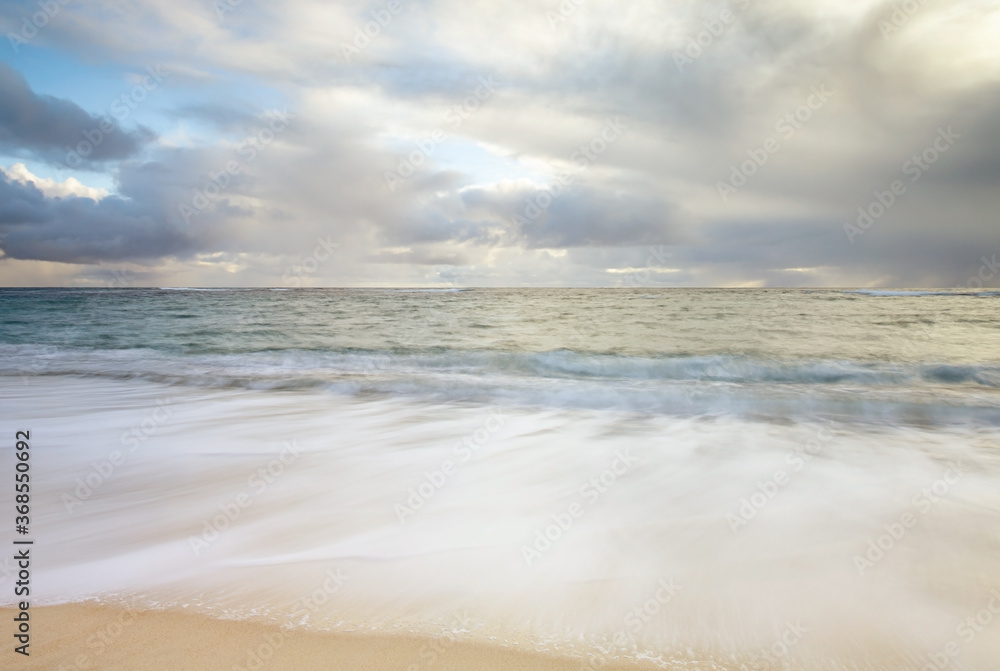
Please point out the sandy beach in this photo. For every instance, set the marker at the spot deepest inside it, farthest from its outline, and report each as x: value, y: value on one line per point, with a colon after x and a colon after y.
x: 83, y: 636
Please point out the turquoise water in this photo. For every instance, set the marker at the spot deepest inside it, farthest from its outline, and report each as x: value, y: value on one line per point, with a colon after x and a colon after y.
x: 781, y: 324
x: 918, y: 356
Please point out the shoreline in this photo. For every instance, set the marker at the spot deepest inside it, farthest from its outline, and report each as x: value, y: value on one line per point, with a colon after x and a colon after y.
x: 795, y: 578
x: 78, y: 636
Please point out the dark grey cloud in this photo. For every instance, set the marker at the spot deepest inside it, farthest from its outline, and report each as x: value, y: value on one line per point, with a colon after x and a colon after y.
x: 785, y: 253
x: 578, y: 216
x: 44, y: 127
x: 80, y: 230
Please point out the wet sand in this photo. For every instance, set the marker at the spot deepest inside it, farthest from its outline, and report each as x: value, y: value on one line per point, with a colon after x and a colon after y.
x: 83, y: 636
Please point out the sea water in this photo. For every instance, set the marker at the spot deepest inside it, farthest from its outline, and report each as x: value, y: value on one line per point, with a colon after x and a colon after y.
x: 716, y: 479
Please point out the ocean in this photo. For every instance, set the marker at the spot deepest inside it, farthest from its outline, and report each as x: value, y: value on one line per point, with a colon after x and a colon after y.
x: 700, y: 479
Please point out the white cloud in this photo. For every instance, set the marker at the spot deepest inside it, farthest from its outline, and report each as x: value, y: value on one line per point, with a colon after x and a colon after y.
x: 51, y: 188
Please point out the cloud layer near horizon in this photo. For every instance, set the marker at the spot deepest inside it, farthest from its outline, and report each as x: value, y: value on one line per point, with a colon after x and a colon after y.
x: 427, y: 143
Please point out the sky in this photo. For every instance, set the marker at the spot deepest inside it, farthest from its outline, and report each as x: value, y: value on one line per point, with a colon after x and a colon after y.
x: 751, y: 143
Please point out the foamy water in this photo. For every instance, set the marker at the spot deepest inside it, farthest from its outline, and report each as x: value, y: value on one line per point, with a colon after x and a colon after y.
x: 706, y: 509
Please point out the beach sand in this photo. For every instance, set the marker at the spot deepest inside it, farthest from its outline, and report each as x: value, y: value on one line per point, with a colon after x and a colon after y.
x: 83, y: 636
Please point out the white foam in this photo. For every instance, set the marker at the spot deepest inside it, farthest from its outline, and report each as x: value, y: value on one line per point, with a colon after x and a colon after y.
x: 664, y: 518
x: 675, y: 385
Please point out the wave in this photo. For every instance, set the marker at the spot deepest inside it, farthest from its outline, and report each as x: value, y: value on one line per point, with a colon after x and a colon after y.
x: 886, y: 292
x: 447, y: 290
x: 682, y: 385
x: 557, y: 365
x: 201, y: 289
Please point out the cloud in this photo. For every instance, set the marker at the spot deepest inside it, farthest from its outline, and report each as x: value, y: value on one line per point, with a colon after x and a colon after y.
x: 50, y: 187
x: 454, y: 219
x: 81, y: 230
x: 579, y: 215
x: 44, y: 126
